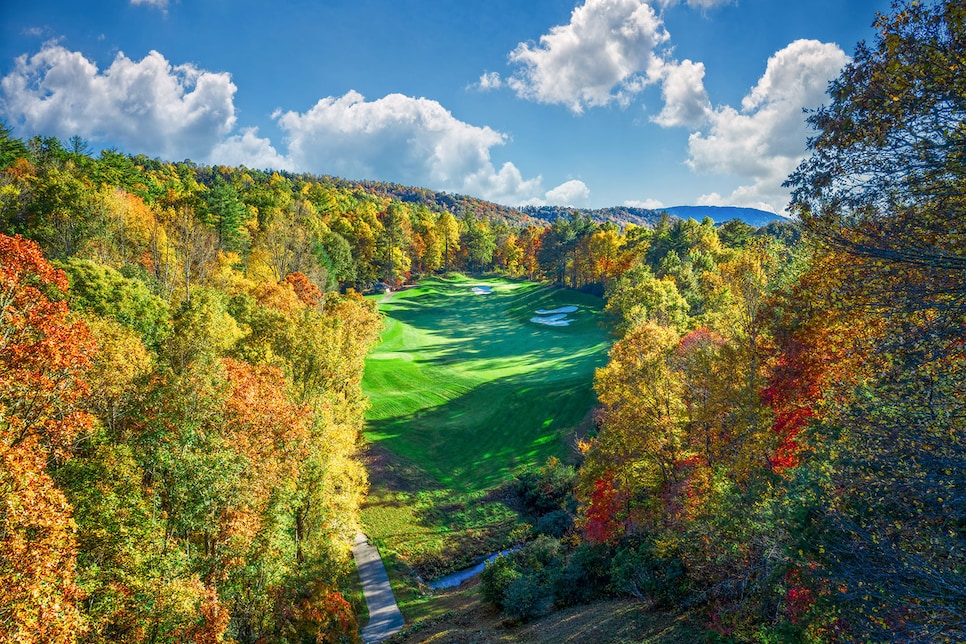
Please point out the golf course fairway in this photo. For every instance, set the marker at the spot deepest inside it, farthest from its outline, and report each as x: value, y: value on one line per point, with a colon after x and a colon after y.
x: 465, y: 390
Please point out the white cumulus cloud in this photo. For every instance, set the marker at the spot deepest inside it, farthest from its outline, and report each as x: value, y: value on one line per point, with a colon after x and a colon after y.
x: 766, y: 139
x: 650, y: 204
x: 488, y: 81
x: 685, y: 98
x: 605, y: 54
x: 573, y: 193
x: 507, y: 186
x: 398, y: 138
x: 250, y: 150
x: 150, y: 105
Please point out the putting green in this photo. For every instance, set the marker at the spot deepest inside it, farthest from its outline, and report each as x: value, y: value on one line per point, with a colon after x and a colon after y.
x: 465, y: 386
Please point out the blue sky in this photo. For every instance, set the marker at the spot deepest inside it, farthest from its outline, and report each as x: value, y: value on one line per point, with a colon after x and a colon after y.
x: 595, y: 103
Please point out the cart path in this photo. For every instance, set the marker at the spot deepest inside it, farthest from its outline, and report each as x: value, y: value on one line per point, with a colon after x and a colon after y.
x: 384, y: 616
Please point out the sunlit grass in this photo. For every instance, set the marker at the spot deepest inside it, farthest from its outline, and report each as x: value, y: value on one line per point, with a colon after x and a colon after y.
x: 465, y: 391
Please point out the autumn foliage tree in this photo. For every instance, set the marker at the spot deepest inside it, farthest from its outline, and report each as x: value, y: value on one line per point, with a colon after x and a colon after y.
x: 885, y: 181
x: 43, y: 356
x: 198, y: 470
x: 883, y: 195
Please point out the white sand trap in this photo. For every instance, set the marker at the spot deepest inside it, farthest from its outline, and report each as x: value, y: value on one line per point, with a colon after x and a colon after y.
x: 482, y: 290
x: 554, y: 317
x: 562, y: 309
x: 552, y: 320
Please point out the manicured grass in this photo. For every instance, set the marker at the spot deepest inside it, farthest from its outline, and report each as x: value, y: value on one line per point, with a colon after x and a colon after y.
x: 465, y: 391
x: 467, y: 387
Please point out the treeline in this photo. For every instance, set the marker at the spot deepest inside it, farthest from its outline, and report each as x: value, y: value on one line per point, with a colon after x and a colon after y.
x: 138, y: 214
x: 781, y: 443
x: 179, y: 404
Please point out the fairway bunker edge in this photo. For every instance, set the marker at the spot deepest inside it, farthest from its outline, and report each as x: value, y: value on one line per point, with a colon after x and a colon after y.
x: 554, y: 317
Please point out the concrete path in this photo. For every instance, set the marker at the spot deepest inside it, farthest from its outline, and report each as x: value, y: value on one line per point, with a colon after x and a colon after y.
x: 384, y: 616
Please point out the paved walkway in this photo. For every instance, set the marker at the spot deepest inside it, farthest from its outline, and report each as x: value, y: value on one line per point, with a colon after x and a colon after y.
x: 384, y: 616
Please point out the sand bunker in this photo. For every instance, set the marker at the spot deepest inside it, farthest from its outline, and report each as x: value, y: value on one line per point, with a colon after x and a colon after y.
x: 552, y: 321
x: 554, y: 317
x: 562, y: 309
x: 482, y: 290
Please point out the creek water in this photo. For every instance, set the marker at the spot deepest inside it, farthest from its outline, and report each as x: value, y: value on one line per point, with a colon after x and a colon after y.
x: 457, y: 578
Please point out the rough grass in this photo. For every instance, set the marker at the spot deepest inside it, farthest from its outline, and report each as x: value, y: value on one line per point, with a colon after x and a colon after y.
x: 465, y: 391
x: 460, y: 618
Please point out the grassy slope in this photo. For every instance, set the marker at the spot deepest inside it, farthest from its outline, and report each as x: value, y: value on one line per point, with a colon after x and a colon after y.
x: 464, y: 620
x: 465, y: 390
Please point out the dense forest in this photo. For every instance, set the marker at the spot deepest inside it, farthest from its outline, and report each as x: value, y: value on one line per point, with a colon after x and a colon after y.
x: 182, y: 349
x: 779, y: 443
x: 178, y: 434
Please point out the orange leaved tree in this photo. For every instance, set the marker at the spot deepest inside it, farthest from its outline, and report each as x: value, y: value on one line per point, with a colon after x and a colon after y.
x: 43, y: 355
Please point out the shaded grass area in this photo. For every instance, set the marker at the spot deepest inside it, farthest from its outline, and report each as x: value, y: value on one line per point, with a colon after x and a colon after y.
x: 431, y: 528
x: 461, y: 618
x: 424, y: 530
x: 466, y: 391
x: 356, y: 597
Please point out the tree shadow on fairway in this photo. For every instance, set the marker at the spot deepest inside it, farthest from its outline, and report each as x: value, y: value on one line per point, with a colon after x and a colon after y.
x: 466, y: 390
x: 474, y: 442
x: 474, y: 328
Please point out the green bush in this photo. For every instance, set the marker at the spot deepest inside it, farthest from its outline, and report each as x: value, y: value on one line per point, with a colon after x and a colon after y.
x: 540, y: 553
x: 555, y: 524
x: 542, y: 574
x: 547, y: 488
x: 497, y: 575
x: 585, y: 577
x: 526, y: 597
x: 641, y: 572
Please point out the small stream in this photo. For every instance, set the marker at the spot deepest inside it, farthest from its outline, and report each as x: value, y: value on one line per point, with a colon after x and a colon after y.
x: 457, y: 578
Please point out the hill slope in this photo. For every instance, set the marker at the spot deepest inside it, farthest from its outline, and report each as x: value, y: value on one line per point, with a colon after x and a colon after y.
x: 463, y: 619
x: 463, y: 205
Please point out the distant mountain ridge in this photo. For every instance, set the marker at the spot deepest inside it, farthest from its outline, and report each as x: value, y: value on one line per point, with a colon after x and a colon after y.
x: 461, y: 205
x: 721, y: 214
x: 620, y: 215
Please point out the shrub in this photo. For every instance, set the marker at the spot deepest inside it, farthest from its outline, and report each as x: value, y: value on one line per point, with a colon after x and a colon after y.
x: 643, y: 573
x: 526, y: 597
x: 540, y: 553
x: 546, y: 489
x: 497, y: 575
x: 585, y: 577
x: 555, y: 524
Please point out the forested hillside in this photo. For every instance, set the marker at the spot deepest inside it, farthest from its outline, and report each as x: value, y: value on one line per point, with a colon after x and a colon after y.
x: 781, y: 441
x: 178, y: 425
x: 182, y: 350
x: 778, y: 447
